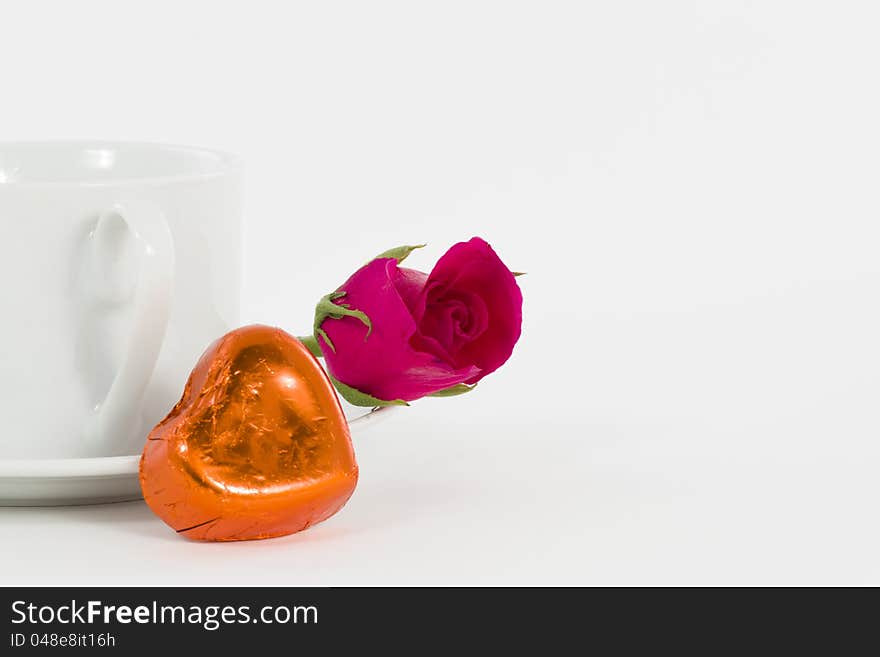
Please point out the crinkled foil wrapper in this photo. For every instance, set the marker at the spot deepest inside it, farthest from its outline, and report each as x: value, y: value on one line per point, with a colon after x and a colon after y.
x: 257, y: 446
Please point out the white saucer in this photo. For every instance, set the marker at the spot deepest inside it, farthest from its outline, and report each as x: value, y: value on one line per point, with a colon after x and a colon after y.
x: 56, y: 482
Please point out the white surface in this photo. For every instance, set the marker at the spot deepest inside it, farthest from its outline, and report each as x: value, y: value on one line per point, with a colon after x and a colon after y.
x: 121, y: 264
x: 692, y: 188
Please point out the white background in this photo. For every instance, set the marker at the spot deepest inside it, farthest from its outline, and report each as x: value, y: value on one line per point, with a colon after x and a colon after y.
x: 692, y: 188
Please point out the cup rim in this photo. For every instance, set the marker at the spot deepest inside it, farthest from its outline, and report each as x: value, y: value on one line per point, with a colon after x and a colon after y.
x: 227, y: 163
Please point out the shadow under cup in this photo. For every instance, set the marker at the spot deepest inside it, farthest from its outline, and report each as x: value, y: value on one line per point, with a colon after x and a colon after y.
x: 121, y: 265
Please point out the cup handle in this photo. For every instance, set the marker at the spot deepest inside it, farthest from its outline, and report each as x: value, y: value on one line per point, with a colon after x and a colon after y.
x: 114, y: 418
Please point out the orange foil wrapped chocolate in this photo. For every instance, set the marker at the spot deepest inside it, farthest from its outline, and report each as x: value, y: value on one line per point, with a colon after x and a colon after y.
x: 257, y: 446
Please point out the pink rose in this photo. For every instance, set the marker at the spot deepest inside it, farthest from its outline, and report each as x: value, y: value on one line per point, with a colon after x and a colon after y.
x: 391, y: 334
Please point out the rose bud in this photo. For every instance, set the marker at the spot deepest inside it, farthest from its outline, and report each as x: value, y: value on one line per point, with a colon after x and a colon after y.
x: 390, y: 335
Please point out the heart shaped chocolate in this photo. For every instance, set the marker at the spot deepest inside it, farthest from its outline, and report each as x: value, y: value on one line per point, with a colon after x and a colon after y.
x: 257, y: 446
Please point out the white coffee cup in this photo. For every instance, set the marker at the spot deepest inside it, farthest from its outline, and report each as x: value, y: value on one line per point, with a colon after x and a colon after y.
x: 121, y: 263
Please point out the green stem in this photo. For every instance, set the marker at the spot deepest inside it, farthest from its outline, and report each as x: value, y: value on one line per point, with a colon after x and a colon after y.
x: 311, y: 344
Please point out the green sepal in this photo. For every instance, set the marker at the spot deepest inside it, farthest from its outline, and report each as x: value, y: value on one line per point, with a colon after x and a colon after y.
x: 518, y: 273
x: 453, y: 391
x: 310, y: 343
x: 399, y: 253
x: 357, y: 398
x: 326, y: 308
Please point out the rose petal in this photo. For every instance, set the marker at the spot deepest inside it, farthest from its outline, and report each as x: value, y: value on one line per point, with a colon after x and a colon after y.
x: 473, y: 267
x: 409, y: 284
x: 385, y: 365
